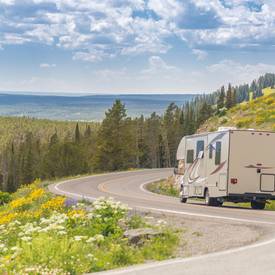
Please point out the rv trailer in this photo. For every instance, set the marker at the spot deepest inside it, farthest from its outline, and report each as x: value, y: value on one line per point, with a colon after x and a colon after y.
x: 227, y: 165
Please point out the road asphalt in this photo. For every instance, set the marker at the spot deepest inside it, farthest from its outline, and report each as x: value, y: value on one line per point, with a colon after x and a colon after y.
x: 128, y: 187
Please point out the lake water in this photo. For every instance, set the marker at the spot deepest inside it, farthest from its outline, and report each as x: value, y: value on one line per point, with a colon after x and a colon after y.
x: 89, y: 108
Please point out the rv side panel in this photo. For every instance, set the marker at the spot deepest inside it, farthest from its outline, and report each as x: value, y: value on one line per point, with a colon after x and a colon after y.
x: 217, y: 163
x: 252, y: 163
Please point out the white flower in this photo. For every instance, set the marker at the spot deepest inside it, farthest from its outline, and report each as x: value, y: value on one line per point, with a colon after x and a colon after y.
x: 90, y: 240
x: 62, y: 232
x: 79, y: 238
x: 99, y: 237
x: 26, y: 239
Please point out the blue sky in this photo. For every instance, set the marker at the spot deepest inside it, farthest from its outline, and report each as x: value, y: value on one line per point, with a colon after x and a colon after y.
x: 134, y: 46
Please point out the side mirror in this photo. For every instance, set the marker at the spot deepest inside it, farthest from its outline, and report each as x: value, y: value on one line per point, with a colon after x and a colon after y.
x: 201, y: 155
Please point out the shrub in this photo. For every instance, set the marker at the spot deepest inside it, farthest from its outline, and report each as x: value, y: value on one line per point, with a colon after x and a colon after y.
x: 245, y: 106
x: 222, y: 112
x: 223, y: 120
x: 259, y: 119
x: 244, y: 122
x: 268, y: 100
x: 4, y: 197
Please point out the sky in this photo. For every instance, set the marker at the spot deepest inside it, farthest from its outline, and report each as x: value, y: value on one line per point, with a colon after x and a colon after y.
x: 134, y: 46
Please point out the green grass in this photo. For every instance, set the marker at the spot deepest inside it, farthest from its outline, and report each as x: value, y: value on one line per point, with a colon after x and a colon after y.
x: 164, y: 187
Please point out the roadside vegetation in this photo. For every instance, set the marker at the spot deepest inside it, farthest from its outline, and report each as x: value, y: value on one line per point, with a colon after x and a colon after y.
x: 164, y: 187
x: 40, y: 233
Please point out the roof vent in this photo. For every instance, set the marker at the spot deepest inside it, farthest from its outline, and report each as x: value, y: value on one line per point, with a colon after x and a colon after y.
x: 220, y: 129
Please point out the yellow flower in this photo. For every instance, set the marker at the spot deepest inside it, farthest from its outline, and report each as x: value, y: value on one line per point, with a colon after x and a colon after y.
x: 7, y: 217
x: 18, y: 203
x: 54, y: 203
x: 36, y: 194
x: 76, y: 213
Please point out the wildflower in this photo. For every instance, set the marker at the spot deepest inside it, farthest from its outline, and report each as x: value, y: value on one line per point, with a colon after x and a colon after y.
x: 7, y: 218
x: 62, y: 232
x: 54, y: 203
x: 79, y: 238
x: 36, y: 194
x: 15, y: 248
x: 20, y: 202
x: 26, y: 239
x: 76, y: 213
x: 99, y: 237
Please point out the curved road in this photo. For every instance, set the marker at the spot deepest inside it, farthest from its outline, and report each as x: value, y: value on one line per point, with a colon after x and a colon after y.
x: 128, y: 187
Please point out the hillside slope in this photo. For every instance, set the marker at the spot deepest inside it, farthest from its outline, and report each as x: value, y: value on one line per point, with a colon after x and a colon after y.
x: 257, y: 114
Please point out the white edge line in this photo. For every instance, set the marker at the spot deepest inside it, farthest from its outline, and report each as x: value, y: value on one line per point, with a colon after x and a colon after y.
x: 185, y: 260
x: 204, y: 215
x: 143, y: 189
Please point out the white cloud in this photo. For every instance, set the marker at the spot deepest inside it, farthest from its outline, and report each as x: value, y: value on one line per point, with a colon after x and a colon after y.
x: 99, y: 29
x: 166, y: 8
x: 200, y: 54
x: 156, y: 64
x: 235, y: 72
x: 47, y: 65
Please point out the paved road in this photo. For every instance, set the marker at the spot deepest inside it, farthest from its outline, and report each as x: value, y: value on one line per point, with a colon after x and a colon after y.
x: 128, y: 187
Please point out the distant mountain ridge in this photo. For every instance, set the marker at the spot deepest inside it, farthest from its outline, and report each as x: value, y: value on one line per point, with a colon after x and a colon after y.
x: 88, y: 107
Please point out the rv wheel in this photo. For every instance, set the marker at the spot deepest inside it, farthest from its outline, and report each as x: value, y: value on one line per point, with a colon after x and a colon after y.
x: 257, y: 205
x: 183, y: 200
x: 210, y: 201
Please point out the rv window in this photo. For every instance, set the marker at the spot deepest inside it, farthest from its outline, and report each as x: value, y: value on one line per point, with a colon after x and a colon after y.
x: 200, y: 147
x: 210, y: 151
x: 218, y: 152
x: 190, y: 156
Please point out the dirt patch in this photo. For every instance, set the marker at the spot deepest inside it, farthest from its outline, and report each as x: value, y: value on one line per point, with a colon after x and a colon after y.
x: 198, y: 236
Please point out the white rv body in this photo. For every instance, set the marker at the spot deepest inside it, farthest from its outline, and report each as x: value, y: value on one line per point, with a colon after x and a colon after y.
x: 233, y: 165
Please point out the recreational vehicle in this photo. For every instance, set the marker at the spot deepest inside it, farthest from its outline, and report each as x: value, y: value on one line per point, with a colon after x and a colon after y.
x: 227, y: 165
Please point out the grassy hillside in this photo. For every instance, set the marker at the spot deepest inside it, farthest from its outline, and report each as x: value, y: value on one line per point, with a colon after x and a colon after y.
x: 257, y: 114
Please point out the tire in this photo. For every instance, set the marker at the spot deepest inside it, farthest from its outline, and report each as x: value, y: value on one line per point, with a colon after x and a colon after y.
x: 210, y: 201
x: 183, y: 200
x: 257, y: 205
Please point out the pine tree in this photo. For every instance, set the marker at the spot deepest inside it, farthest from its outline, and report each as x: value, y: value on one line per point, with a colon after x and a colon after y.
x: 53, y: 139
x: 88, y: 132
x: 229, y: 102
x: 27, y: 167
x: 204, y: 113
x: 234, y: 97
x: 77, y: 134
x: 12, y: 173
x: 220, y: 101
x: 116, y: 142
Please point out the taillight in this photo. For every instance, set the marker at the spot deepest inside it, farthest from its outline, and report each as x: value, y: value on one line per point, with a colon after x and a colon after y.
x: 234, y: 180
